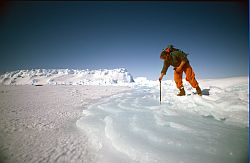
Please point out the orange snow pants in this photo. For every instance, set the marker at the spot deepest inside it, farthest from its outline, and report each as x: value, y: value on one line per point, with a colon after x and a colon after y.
x: 190, y: 77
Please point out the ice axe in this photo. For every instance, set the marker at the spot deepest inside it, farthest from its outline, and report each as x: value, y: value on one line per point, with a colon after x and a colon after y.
x: 160, y: 91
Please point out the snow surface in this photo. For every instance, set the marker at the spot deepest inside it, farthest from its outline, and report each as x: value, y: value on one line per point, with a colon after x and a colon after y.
x: 134, y: 127
x: 38, y: 123
x: 69, y: 120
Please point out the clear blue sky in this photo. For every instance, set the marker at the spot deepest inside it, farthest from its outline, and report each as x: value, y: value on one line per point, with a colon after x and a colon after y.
x: 93, y: 35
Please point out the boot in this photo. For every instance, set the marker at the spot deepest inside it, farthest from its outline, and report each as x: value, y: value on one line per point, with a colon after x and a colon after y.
x: 198, y: 90
x: 182, y: 92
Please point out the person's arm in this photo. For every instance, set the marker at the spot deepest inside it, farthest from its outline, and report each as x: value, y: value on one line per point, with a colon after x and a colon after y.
x: 182, y: 64
x: 184, y: 60
x: 161, y: 76
x: 164, y: 70
x: 179, y: 68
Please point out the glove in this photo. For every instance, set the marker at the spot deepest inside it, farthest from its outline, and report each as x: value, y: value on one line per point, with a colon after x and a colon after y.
x: 160, y: 78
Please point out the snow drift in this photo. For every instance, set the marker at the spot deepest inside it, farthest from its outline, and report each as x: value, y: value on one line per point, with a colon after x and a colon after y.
x: 135, y: 127
x: 66, y: 77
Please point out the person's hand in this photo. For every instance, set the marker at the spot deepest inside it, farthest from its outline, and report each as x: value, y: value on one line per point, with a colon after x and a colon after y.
x: 178, y: 69
x: 160, y: 78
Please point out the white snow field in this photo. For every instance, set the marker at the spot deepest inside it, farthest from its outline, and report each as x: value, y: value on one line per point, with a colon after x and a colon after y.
x: 71, y: 119
x: 134, y: 127
x: 38, y: 124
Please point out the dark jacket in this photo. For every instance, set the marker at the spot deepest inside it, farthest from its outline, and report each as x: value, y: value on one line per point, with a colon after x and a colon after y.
x: 175, y: 60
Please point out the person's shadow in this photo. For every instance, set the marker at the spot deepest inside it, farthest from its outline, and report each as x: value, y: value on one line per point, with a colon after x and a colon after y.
x: 205, y: 92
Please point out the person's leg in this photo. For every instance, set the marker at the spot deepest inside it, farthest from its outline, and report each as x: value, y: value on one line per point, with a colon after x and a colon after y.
x: 178, y: 82
x: 178, y: 79
x: 190, y: 77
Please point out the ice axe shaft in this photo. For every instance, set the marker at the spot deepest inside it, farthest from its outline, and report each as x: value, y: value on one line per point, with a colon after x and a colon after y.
x: 160, y: 91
